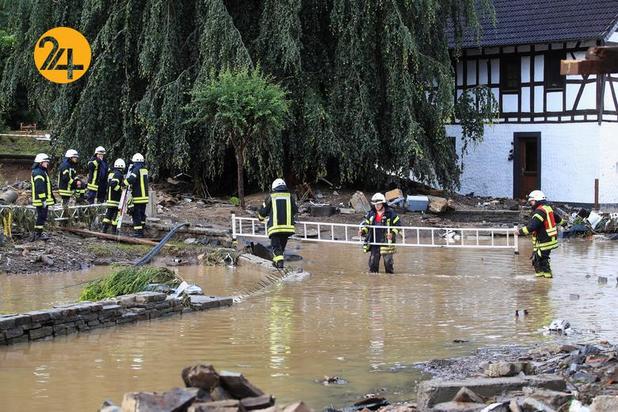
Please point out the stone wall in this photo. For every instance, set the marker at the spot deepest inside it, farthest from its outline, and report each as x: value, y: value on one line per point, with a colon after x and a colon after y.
x: 81, y: 317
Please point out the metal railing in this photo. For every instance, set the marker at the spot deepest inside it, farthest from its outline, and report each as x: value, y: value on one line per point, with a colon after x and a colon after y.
x: 408, y: 236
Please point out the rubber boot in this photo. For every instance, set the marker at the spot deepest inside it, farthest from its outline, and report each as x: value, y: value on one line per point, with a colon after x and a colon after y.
x: 105, y: 228
x: 35, y: 236
x: 43, y: 236
x: 114, y: 231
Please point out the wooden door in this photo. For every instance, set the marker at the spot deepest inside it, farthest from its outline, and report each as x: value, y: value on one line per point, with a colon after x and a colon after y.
x: 527, y: 164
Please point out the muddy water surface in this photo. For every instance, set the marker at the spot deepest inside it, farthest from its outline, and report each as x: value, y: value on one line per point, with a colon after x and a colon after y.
x: 368, y: 329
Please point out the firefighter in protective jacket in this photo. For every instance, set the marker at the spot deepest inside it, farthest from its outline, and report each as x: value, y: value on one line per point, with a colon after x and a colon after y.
x: 42, y: 196
x: 543, y: 227
x: 138, y: 181
x: 385, y: 217
x: 280, y: 209
x: 67, y: 176
x: 115, y: 184
x: 97, y: 175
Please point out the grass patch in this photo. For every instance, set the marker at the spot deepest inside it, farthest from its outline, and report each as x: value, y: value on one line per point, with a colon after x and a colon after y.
x: 125, y: 280
x: 23, y: 145
x: 115, y: 249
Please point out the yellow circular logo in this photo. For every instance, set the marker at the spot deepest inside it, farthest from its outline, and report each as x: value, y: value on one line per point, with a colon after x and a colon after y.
x: 62, y: 55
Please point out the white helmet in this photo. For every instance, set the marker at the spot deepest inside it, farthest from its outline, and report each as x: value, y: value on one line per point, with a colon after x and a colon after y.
x: 537, y: 195
x: 119, y: 164
x: 378, y: 198
x: 99, y: 150
x: 278, y: 182
x: 71, y: 153
x: 41, y: 157
x: 137, y: 158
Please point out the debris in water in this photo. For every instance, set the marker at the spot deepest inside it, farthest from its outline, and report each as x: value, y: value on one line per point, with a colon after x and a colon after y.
x: 333, y: 380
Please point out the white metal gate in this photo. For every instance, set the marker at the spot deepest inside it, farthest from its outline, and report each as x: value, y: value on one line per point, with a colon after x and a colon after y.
x: 409, y: 236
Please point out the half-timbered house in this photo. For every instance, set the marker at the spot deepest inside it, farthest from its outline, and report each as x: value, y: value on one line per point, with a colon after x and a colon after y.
x: 557, y: 133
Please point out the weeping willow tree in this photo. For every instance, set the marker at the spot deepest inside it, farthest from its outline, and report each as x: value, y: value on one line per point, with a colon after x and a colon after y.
x: 370, y: 83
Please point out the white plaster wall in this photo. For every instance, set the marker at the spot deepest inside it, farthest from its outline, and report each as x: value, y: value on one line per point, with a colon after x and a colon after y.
x: 608, y: 163
x: 570, y: 160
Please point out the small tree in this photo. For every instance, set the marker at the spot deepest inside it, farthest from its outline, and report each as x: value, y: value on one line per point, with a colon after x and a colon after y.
x: 244, y: 109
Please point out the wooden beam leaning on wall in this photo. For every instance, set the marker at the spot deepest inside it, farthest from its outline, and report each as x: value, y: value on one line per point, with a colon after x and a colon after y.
x: 599, y: 60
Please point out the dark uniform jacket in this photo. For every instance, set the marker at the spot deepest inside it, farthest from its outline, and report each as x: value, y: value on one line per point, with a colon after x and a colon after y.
x: 97, y: 173
x: 41, y: 186
x: 390, y: 220
x: 115, y: 183
x: 138, y: 180
x: 67, y: 175
x: 543, y: 227
x: 280, y: 209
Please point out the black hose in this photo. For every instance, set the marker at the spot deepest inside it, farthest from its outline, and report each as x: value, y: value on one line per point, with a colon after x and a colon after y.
x: 156, y: 249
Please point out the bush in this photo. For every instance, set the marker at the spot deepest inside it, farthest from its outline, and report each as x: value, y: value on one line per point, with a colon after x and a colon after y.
x: 126, y: 280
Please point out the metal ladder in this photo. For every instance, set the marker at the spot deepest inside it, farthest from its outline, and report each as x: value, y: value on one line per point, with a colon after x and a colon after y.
x: 409, y: 236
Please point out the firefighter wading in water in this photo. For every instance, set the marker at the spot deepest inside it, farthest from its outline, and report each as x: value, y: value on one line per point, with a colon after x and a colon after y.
x: 544, y: 231
x: 380, y: 215
x: 42, y: 196
x: 280, y: 209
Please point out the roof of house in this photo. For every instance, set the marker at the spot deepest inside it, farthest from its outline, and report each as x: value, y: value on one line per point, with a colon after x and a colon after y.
x: 544, y: 21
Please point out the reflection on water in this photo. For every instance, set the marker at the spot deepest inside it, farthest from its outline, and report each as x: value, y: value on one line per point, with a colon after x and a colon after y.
x: 368, y: 329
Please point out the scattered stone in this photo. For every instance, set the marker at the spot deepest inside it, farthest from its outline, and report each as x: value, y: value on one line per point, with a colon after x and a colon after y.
x: 297, y: 407
x: 573, y: 296
x: 190, y: 241
x: 230, y: 405
x: 534, y: 405
x: 333, y: 380
x: 602, y: 280
x: 559, y: 326
x: 458, y: 407
x: 347, y: 210
x: 220, y: 394
x: 554, y: 399
x: 109, y: 406
x: 200, y: 376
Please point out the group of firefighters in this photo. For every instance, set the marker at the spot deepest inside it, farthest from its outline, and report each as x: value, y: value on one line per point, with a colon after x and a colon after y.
x: 104, y: 185
x: 379, y: 228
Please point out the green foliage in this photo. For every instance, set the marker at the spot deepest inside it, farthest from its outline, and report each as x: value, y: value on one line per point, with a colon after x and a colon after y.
x: 126, y: 280
x: 245, y: 110
x: 367, y: 83
x: 235, y: 201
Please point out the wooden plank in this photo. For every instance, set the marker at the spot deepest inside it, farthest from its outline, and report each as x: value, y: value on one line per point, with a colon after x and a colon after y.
x: 573, y: 67
x: 107, y: 236
x: 602, y: 53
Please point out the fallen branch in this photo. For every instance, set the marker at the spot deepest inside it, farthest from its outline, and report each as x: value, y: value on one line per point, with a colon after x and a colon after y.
x: 123, y: 239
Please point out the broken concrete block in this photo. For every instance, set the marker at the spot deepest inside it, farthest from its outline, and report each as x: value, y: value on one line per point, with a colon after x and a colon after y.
x: 258, y: 402
x: 604, y: 403
x: 239, y: 387
x: 200, y: 376
x: 437, y: 204
x: 360, y: 203
x: 466, y: 395
x: 176, y: 399
x: 393, y: 195
x: 220, y: 394
x: 551, y: 398
x: 500, y: 369
x: 230, y: 405
x: 436, y: 391
x: 458, y: 407
x: 536, y: 405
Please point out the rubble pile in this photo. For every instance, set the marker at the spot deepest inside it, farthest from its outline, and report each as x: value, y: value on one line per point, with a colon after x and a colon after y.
x: 205, y: 390
x: 575, y: 378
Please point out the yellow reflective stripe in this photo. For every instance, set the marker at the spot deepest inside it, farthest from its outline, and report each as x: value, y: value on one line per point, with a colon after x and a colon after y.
x: 93, y: 186
x: 525, y: 230
x: 277, y: 258
x: 142, y: 183
x: 396, y: 220
x: 281, y: 229
x: 65, y: 192
x: 39, y: 177
x: 538, y: 217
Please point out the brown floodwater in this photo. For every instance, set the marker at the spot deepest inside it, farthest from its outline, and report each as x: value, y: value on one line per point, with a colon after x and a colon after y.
x: 341, y: 321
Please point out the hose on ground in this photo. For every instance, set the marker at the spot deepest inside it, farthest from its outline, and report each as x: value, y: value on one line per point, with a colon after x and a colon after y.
x: 156, y: 249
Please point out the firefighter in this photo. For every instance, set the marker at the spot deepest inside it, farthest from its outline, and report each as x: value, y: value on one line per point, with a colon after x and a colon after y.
x: 67, y: 176
x: 380, y: 215
x: 280, y: 209
x: 544, y: 231
x: 138, y: 181
x: 42, y: 196
x: 115, y: 184
x: 97, y: 175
